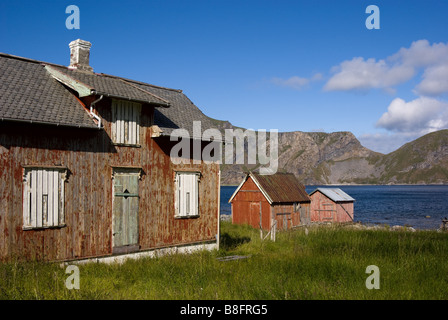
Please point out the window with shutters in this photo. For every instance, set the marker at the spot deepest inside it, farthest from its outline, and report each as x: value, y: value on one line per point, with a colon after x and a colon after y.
x: 126, y: 122
x: 187, y: 194
x: 43, y: 197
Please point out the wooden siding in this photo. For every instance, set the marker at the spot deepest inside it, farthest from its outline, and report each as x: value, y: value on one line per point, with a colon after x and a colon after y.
x: 90, y: 158
x: 324, y: 209
x: 247, y: 204
x: 289, y: 217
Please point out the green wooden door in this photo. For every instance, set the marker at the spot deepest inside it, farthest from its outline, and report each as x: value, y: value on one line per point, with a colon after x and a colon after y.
x: 125, y: 210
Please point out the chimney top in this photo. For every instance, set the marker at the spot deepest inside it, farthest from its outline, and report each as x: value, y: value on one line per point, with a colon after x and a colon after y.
x: 80, y: 54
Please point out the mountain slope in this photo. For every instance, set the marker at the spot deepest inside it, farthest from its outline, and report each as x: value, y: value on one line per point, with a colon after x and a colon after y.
x: 424, y: 160
x: 339, y: 158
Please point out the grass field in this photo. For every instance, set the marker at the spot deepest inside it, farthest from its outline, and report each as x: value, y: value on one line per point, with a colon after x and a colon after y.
x: 326, y: 263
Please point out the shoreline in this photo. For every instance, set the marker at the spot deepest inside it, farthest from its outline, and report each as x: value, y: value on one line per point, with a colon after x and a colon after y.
x: 358, y: 225
x: 360, y: 185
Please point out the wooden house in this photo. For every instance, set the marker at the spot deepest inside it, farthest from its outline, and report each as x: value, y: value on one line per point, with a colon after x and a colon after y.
x: 85, y: 165
x: 263, y: 201
x: 331, y: 204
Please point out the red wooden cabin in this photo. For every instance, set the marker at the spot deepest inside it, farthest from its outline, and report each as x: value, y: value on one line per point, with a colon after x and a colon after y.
x: 332, y: 205
x: 264, y: 200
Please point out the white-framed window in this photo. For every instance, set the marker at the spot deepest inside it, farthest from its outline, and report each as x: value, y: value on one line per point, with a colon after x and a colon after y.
x: 43, y: 197
x: 126, y: 122
x: 187, y: 194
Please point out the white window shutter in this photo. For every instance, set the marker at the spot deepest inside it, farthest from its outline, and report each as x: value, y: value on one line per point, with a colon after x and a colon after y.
x: 60, y: 212
x: 196, y: 194
x: 26, y: 199
x: 125, y: 122
x: 33, y: 197
x: 187, y: 194
x: 43, y: 198
x: 38, y: 212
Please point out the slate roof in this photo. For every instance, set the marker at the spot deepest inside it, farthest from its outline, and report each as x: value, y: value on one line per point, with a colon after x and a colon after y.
x: 278, y: 187
x: 28, y: 92
x: 180, y: 115
x: 103, y: 84
x: 335, y: 194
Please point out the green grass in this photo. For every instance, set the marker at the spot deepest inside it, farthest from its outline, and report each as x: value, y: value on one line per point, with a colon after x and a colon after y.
x: 328, y: 263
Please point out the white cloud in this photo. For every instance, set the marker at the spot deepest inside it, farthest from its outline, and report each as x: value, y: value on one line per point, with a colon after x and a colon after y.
x: 419, y: 116
x: 422, y: 54
x: 435, y: 81
x: 295, y: 82
x: 317, y: 77
x: 362, y: 74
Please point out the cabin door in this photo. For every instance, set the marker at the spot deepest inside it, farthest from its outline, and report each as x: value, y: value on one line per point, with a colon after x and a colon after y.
x: 255, y: 214
x: 283, y: 220
x: 305, y: 215
x: 125, y: 211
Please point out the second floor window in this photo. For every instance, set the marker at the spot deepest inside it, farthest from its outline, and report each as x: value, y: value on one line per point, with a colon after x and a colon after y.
x: 126, y: 122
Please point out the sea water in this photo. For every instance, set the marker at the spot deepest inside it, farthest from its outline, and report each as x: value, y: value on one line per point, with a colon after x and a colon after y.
x: 417, y: 206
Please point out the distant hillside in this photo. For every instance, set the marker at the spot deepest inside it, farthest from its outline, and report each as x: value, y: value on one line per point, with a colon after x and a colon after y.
x: 339, y: 158
x: 424, y: 160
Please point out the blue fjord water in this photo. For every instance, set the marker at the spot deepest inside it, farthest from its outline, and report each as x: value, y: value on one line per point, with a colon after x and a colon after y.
x: 421, y: 207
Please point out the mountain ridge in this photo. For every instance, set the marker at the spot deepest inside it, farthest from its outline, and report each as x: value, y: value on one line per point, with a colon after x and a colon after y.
x: 319, y: 158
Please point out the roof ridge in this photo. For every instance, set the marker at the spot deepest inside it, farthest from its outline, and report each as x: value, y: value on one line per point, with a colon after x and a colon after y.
x: 138, y: 82
x: 7, y: 55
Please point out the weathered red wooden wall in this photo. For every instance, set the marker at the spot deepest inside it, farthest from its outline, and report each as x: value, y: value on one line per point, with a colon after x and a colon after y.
x: 286, y: 217
x: 246, y: 206
x: 90, y: 155
x: 325, y: 209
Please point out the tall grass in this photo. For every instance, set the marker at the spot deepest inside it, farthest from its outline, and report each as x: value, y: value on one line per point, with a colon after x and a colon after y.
x: 326, y: 263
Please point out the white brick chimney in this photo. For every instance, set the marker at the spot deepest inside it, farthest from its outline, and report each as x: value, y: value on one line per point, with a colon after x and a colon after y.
x: 79, y: 55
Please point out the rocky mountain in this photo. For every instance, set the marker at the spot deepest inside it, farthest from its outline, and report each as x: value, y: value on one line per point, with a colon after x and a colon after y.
x: 339, y: 158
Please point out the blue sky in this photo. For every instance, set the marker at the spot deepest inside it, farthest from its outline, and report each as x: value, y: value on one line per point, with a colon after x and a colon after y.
x: 286, y: 65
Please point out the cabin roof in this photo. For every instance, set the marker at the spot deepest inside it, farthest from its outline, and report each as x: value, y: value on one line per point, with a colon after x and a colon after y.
x: 335, y: 194
x: 278, y: 187
x: 36, y: 92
